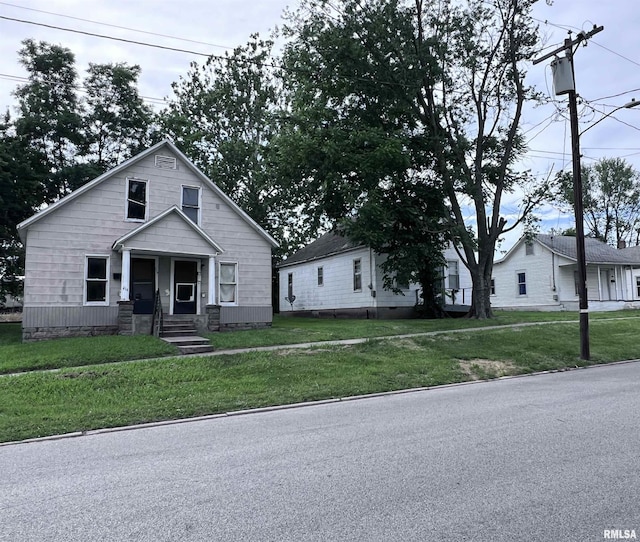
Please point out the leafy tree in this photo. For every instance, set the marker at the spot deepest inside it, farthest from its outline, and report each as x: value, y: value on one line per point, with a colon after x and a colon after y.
x: 355, y: 144
x: 611, y: 199
x: 21, y: 192
x: 403, y: 221
x: 49, y: 112
x: 116, y: 121
x: 455, y: 71
x: 223, y: 115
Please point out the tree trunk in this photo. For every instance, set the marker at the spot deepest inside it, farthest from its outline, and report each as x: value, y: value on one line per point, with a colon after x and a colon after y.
x: 481, y: 295
x: 430, y: 307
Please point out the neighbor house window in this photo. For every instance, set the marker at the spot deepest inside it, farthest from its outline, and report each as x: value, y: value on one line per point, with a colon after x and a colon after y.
x: 522, y: 284
x: 638, y: 286
x: 528, y: 249
x: 493, y: 286
x: 454, y: 274
x: 136, y: 199
x: 96, y: 280
x: 320, y: 276
x: 357, y: 274
x: 290, y: 286
x: 228, y: 283
x: 191, y: 202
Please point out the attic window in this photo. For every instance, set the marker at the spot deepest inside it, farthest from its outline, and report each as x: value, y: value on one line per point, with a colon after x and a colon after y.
x: 529, y: 249
x: 166, y: 162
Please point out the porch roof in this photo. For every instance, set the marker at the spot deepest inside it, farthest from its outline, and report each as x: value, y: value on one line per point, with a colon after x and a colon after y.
x: 596, y: 252
x: 170, y: 232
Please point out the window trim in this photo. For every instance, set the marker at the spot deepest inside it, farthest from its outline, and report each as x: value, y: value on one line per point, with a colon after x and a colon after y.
x: 451, y: 264
x: 199, y: 207
x: 289, y: 286
x: 519, y: 284
x: 127, y: 218
x: 357, y: 275
x: 106, y: 280
x: 220, y: 283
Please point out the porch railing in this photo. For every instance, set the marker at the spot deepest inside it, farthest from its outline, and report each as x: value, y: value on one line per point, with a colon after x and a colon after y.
x: 156, y: 319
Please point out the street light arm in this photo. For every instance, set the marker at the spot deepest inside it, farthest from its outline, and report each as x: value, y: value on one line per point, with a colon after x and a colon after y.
x: 632, y: 103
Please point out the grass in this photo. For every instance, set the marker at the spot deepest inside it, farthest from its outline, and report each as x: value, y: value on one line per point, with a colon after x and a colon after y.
x: 116, y: 394
x: 288, y: 330
x: 16, y: 356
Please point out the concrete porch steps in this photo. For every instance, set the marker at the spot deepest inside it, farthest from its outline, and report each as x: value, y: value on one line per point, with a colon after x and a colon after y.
x: 190, y: 344
x: 181, y: 331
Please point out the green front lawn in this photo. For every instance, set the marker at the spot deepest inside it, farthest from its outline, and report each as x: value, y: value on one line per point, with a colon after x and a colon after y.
x: 116, y: 394
x: 16, y: 356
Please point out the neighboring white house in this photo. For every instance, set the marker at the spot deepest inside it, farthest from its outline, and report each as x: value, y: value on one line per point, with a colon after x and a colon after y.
x: 541, y: 274
x: 333, y: 276
x: 155, y: 223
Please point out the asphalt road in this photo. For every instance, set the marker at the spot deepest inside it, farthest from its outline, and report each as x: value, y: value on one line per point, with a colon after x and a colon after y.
x: 544, y: 458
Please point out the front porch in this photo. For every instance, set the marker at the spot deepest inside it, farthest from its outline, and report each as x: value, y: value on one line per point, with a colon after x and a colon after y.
x: 169, y: 264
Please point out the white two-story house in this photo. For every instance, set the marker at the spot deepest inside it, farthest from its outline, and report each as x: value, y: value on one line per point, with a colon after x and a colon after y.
x: 153, y: 229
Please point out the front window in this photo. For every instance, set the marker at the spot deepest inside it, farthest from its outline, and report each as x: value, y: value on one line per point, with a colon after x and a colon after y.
x: 454, y: 275
x: 493, y: 286
x: 357, y: 275
x: 290, y: 286
x: 191, y: 202
x: 522, y: 284
x: 97, y: 280
x: 320, y: 276
x: 136, y: 199
x: 228, y: 283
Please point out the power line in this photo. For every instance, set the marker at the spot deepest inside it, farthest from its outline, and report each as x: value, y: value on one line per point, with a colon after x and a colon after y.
x: 614, y: 53
x: 79, y: 88
x: 113, y: 38
x: 117, y: 26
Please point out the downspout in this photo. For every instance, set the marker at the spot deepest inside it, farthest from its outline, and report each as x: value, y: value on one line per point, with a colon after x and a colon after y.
x: 373, y: 280
x: 599, y: 284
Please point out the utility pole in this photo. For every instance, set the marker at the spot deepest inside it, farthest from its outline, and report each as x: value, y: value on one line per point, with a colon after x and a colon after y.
x: 577, y: 186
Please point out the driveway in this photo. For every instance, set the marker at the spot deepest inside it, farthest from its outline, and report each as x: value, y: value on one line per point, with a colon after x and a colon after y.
x: 543, y: 458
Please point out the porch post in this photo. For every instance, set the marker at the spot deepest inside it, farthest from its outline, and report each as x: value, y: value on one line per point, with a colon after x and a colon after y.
x: 211, y: 300
x: 126, y: 275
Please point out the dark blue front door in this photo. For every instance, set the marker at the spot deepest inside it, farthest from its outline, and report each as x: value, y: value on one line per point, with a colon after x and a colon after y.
x: 143, y: 282
x: 185, y: 286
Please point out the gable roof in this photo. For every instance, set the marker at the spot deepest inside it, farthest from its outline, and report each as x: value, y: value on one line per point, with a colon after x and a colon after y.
x: 128, y: 163
x: 152, y: 224
x: 596, y: 252
x: 329, y: 244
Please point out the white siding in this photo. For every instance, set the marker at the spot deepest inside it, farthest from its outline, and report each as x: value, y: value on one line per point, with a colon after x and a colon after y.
x: 539, y: 270
x: 336, y: 292
x: 337, y: 289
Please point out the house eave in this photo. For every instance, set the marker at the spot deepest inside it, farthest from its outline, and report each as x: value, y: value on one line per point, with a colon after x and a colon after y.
x: 323, y: 257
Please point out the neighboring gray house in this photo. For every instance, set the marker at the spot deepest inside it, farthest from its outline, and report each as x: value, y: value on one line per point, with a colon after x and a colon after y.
x: 335, y: 277
x: 155, y: 223
x: 542, y: 274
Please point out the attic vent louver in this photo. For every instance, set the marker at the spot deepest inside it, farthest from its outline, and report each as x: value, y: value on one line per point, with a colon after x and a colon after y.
x: 166, y: 162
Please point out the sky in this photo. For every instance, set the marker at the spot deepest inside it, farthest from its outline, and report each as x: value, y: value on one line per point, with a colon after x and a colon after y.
x: 607, y: 70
